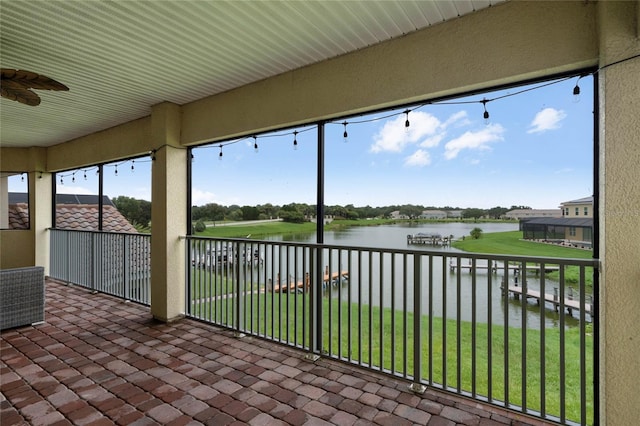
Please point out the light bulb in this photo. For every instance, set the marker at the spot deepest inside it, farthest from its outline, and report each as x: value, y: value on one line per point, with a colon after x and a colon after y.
x: 576, y: 93
x: 345, y: 135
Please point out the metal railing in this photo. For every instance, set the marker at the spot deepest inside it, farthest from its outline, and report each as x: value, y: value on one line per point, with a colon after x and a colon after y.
x: 514, y: 331
x: 114, y: 263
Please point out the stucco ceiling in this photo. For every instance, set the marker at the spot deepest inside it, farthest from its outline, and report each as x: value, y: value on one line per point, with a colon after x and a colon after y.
x: 119, y: 58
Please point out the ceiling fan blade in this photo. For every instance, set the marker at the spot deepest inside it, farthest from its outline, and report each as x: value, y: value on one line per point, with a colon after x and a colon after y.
x: 15, y: 85
x: 36, y: 81
x: 24, y: 96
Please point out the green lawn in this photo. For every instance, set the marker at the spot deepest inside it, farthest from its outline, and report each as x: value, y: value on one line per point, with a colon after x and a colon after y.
x: 511, y: 242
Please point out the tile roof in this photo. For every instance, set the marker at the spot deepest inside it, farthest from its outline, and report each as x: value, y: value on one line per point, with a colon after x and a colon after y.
x: 73, y: 211
x: 19, y: 216
x: 84, y: 217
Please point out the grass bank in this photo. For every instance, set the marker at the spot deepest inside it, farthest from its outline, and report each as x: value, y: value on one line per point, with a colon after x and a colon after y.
x: 511, y: 242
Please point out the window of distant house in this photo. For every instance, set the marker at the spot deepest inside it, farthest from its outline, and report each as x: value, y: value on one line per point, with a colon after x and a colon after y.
x: 577, y: 211
x: 14, y: 200
x: 572, y: 231
x: 586, y: 211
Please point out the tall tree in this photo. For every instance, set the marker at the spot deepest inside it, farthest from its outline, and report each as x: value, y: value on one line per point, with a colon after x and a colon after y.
x: 137, y: 212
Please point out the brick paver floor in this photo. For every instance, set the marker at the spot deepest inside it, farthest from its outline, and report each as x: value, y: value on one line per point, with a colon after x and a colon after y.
x: 98, y: 360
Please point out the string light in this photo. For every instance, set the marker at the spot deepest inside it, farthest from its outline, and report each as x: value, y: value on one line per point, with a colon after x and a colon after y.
x: 133, y: 162
x: 255, y: 143
x: 116, y: 169
x: 295, y: 139
x: 153, y: 155
x: 73, y: 178
x: 345, y: 135
x: 406, y: 123
x: 84, y: 172
x: 576, y: 91
x: 40, y: 175
x: 22, y: 177
x: 220, y: 155
x: 486, y: 113
x: 61, y: 181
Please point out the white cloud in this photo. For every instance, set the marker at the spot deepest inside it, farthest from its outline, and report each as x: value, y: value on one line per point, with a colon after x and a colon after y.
x: 459, y: 118
x: 432, y: 141
x: 425, y: 130
x: 200, y: 198
x: 419, y: 158
x: 547, y: 119
x: 394, y: 136
x: 479, y: 140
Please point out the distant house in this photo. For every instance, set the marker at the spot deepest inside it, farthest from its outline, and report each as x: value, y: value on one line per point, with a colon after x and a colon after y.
x: 518, y: 214
x: 76, y: 212
x: 574, y: 228
x: 396, y: 215
x: 454, y: 214
x: 582, y: 207
x: 433, y: 214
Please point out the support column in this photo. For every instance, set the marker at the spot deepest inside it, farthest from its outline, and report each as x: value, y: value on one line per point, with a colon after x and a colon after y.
x: 168, y: 214
x: 41, y: 206
x: 619, y: 198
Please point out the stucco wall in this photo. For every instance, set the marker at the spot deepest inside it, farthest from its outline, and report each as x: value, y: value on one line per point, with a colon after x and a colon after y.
x: 619, y: 216
x: 20, y: 248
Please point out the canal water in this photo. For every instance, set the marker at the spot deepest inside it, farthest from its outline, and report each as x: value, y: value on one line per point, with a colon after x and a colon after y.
x: 395, y: 287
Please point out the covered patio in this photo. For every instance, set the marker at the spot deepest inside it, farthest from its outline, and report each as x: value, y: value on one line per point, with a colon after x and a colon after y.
x: 156, y: 79
x: 100, y: 360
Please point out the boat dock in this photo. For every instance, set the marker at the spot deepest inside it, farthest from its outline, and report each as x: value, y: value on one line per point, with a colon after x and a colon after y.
x: 429, y: 239
x: 293, y: 286
x: 570, y: 302
x: 495, y: 267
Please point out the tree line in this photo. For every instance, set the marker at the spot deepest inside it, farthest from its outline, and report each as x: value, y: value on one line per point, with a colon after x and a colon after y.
x: 138, y: 212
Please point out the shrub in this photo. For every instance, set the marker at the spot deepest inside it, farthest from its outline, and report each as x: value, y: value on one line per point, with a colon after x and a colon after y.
x: 476, y: 233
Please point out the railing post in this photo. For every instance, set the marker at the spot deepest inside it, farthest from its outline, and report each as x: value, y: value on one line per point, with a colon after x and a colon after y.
x: 315, y: 305
x: 93, y: 262
x: 188, y: 273
x: 234, y: 257
x: 125, y: 269
x: 417, y: 386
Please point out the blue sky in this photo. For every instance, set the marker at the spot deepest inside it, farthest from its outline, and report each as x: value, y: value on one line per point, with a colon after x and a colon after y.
x: 535, y: 149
